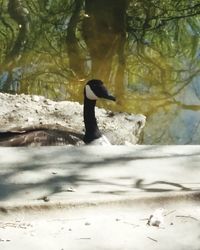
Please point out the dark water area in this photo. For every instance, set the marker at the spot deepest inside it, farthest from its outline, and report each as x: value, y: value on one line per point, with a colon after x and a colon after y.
x: 146, y: 52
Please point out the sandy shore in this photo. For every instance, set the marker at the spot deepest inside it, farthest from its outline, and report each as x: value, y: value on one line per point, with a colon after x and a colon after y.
x: 100, y: 197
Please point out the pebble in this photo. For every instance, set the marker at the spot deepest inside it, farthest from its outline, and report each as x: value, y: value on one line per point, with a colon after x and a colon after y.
x: 29, y: 119
x: 35, y: 98
x: 47, y: 101
x: 71, y: 189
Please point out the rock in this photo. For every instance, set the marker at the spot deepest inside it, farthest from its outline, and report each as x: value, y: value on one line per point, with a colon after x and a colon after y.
x: 17, y: 105
x: 29, y: 119
x: 71, y: 189
x: 35, y: 98
x: 21, y: 111
x: 157, y: 218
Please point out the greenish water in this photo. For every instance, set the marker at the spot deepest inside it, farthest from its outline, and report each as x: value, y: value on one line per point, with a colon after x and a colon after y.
x: 146, y: 52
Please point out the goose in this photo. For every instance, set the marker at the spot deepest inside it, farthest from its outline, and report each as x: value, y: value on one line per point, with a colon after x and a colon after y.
x: 45, y: 135
x: 94, y: 90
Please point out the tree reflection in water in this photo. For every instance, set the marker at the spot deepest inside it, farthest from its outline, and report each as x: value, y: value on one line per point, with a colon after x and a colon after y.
x: 148, y: 52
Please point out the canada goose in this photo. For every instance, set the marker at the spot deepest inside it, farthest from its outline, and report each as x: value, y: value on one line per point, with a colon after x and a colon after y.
x: 44, y: 135
x: 93, y: 90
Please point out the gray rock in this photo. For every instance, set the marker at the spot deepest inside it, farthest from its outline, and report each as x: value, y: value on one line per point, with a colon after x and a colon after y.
x: 39, y: 112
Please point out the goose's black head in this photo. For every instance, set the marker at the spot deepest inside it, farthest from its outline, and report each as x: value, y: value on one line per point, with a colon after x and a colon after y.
x: 95, y: 89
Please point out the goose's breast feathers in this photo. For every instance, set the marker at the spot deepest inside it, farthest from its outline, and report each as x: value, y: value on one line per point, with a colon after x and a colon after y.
x: 103, y: 140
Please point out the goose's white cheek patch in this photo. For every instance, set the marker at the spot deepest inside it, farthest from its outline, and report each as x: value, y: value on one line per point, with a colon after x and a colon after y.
x: 89, y: 93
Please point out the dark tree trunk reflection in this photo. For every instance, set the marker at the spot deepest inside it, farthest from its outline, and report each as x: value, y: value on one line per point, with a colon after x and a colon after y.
x: 76, y: 61
x: 104, y: 32
x: 20, y: 15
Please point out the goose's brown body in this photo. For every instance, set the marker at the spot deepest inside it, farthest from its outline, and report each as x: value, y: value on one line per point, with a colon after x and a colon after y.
x: 48, y: 135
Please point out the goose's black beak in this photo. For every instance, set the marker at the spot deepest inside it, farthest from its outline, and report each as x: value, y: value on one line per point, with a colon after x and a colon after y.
x: 105, y: 94
x: 110, y: 97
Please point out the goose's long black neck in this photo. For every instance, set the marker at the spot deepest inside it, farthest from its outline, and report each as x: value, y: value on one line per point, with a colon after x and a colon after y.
x: 92, y: 131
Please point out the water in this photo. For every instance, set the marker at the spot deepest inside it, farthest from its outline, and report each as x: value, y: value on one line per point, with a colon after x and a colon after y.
x: 147, y: 53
